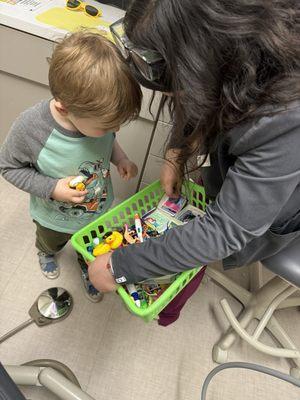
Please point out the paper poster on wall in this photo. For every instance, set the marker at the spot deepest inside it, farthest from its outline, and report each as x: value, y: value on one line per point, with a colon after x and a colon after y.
x: 28, y: 5
x: 72, y: 21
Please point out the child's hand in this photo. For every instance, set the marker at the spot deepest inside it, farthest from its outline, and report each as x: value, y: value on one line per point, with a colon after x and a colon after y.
x: 100, y: 275
x: 127, y: 169
x: 62, y: 192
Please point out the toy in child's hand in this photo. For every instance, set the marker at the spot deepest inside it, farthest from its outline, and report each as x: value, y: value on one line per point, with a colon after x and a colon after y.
x: 77, y: 183
x: 111, y: 242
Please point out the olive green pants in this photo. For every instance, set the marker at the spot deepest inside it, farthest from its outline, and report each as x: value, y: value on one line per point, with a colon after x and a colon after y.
x: 51, y: 242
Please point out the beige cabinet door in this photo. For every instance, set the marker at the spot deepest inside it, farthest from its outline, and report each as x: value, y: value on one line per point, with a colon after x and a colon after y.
x: 23, y: 74
x: 16, y: 95
x: 155, y: 158
x: 134, y: 139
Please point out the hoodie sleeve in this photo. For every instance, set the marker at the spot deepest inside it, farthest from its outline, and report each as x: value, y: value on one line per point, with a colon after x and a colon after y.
x: 17, y: 162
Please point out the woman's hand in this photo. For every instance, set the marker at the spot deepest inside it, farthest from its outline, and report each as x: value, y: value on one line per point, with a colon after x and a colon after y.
x: 100, y: 274
x: 127, y: 169
x: 62, y: 192
x: 171, y: 174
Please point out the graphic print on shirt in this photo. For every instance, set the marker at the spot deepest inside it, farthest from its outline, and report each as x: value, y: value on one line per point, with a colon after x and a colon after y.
x: 96, y: 180
x: 69, y: 154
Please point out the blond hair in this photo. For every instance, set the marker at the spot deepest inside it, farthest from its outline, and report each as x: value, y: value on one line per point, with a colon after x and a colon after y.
x: 89, y: 76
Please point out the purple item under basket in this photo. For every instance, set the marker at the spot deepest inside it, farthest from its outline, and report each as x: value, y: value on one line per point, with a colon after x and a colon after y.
x: 171, y: 313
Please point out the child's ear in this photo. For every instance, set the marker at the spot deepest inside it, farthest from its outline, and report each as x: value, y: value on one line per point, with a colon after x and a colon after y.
x: 60, y: 108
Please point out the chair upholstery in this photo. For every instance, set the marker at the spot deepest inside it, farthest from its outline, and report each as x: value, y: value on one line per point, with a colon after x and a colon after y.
x: 286, y: 263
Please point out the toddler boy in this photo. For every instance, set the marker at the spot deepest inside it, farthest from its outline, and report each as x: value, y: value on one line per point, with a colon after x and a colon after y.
x: 69, y: 135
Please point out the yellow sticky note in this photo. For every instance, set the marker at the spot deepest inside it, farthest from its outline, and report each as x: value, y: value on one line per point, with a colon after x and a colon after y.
x: 73, y: 21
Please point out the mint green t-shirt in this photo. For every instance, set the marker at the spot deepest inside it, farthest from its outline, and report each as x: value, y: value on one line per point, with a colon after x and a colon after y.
x: 38, y: 152
x: 66, y: 156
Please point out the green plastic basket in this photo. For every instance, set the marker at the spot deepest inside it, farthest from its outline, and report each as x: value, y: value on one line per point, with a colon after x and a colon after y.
x: 140, y: 203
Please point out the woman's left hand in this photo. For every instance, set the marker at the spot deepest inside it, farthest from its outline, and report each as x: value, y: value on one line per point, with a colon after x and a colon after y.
x: 100, y: 274
x: 127, y: 169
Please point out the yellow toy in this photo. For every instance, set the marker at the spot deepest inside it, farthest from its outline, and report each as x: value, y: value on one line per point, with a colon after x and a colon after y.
x: 110, y: 243
x: 101, y: 248
x: 80, y: 187
x: 77, y: 5
x: 77, y: 183
x: 114, y: 240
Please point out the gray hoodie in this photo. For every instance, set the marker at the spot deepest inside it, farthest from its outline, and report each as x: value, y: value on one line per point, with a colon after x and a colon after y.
x: 255, y: 214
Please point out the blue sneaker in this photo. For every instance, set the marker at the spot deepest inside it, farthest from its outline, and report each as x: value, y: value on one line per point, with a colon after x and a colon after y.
x: 48, y: 265
x: 90, y: 291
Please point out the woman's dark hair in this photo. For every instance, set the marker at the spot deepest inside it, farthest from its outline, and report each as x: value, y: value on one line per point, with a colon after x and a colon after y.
x: 226, y: 59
